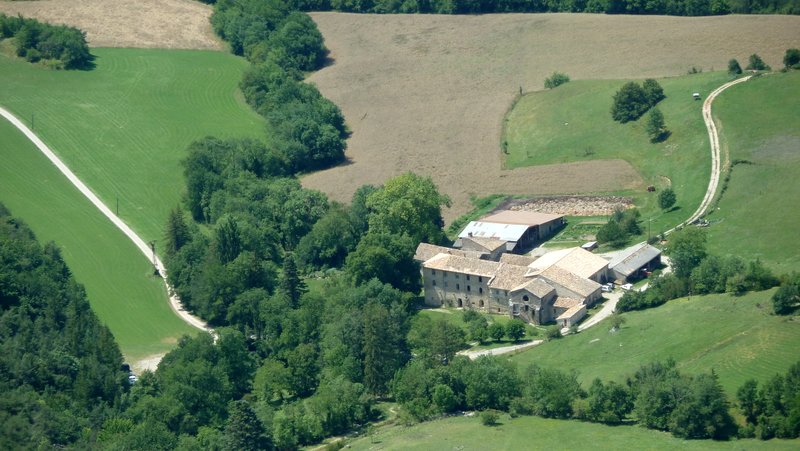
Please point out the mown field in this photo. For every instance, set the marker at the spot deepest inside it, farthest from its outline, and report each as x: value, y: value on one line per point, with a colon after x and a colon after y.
x: 462, y: 433
x: 758, y: 213
x: 166, y: 24
x: 124, y: 126
x: 118, y: 278
x: 573, y: 123
x: 428, y: 93
x: 739, y: 338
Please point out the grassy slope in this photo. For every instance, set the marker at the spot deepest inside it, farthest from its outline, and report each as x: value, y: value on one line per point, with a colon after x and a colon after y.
x: 737, y: 337
x: 536, y: 134
x: 460, y: 433
x: 117, y: 277
x: 124, y: 126
x: 758, y: 212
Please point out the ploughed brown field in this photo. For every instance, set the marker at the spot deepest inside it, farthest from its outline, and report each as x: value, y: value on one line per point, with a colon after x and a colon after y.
x: 428, y: 93
x: 167, y: 24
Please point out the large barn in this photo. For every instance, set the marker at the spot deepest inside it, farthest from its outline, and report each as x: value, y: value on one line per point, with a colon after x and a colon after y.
x: 517, y: 230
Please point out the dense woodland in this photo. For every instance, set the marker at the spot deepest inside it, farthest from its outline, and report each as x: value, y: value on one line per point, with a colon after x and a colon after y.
x: 60, y: 369
x: 59, y: 45
x: 292, y: 364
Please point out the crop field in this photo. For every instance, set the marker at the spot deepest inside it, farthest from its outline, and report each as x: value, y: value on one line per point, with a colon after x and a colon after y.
x: 124, y: 126
x: 573, y: 123
x: 758, y: 214
x: 738, y: 337
x: 118, y: 278
x: 464, y: 433
x: 168, y: 24
x: 429, y: 93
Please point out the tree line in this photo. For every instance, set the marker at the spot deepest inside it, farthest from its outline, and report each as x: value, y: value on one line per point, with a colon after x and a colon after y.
x: 65, y: 46
x: 661, y: 7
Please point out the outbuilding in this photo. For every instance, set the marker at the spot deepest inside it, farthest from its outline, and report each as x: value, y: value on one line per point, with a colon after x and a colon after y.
x: 629, y: 263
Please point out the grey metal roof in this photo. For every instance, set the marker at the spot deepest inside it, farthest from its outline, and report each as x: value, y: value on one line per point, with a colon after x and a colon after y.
x: 631, y: 259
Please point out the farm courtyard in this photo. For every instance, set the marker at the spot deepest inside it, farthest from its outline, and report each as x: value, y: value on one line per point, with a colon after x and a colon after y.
x: 428, y: 93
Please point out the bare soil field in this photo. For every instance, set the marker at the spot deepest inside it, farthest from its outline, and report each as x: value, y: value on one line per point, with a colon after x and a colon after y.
x: 167, y: 24
x: 428, y: 93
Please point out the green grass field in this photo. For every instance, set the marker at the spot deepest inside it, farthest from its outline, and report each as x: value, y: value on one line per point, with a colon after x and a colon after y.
x: 118, y: 278
x: 573, y: 123
x: 758, y: 213
x: 124, y: 126
x: 738, y: 337
x: 462, y: 433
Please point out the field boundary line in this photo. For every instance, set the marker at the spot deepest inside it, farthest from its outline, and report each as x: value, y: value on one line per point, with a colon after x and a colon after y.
x: 713, y: 138
x: 174, y: 301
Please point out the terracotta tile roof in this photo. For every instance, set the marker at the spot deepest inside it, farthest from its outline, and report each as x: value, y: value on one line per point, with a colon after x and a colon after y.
x: 464, y: 265
x: 508, y: 277
x: 578, y: 311
x: 570, y: 281
x: 567, y: 303
x: 528, y: 218
x: 540, y: 288
x: 427, y: 251
x: 582, y: 262
x: 514, y: 259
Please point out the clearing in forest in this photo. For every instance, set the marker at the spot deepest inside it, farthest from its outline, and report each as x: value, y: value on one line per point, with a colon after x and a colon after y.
x: 428, y: 93
x: 167, y: 24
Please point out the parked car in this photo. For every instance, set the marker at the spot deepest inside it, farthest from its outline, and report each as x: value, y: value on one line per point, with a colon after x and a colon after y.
x: 627, y: 286
x: 607, y: 288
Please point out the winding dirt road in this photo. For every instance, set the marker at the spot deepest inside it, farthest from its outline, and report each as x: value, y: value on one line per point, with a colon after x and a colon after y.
x: 716, y: 164
x: 174, y: 301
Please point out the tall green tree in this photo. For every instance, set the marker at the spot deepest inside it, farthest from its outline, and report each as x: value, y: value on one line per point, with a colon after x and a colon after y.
x: 686, y: 249
x: 291, y: 283
x: 177, y: 232
x: 385, y: 349
x: 756, y: 63
x: 656, y: 127
x: 653, y: 91
x: 630, y: 103
x: 791, y: 59
x: 666, y: 198
x: 411, y: 205
x: 787, y: 298
x: 243, y: 429
x: 734, y: 68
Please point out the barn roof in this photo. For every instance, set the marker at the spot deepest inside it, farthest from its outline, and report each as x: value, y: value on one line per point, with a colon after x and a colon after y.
x: 504, y: 232
x: 631, y: 259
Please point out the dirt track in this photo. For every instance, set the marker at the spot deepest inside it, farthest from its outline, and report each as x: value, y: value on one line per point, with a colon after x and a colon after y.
x: 168, y: 24
x: 428, y: 93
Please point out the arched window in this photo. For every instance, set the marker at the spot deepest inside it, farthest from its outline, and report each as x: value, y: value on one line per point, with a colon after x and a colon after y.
x: 525, y: 298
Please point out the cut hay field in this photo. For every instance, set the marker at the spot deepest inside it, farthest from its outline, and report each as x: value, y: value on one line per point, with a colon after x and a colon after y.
x: 168, y: 24
x: 573, y: 123
x: 738, y: 337
x: 428, y: 93
x: 467, y: 434
x: 124, y: 126
x: 758, y: 214
x: 118, y: 278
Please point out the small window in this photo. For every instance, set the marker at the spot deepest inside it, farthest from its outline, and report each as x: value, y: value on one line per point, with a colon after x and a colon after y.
x: 433, y: 272
x: 458, y: 286
x: 527, y: 308
x: 444, y: 275
x: 468, y: 288
x: 467, y: 276
x: 456, y: 276
x: 525, y: 298
x: 433, y: 282
x: 480, y: 290
x: 480, y: 279
x: 481, y: 303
